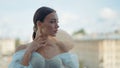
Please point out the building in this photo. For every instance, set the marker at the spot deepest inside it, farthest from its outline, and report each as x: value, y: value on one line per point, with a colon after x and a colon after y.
x: 98, y: 52
x: 7, y: 46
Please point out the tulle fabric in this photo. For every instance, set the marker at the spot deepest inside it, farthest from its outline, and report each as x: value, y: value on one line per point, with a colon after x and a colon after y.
x: 64, y: 60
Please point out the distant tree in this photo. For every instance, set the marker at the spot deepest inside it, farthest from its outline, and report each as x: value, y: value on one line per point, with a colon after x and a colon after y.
x: 17, y: 42
x: 81, y: 31
x: 81, y: 64
x: 117, y: 31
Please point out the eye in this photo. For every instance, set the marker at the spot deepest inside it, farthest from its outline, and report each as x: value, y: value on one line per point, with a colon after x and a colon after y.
x: 52, y: 21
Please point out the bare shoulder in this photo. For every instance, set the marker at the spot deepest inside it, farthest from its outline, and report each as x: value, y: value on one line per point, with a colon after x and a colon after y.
x: 65, y: 46
x: 65, y: 41
x: 21, y: 47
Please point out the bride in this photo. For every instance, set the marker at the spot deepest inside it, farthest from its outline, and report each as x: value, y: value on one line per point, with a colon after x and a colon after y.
x: 47, y: 50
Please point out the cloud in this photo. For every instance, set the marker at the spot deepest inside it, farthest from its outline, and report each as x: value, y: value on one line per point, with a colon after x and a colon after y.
x: 67, y: 17
x: 108, y: 20
x: 16, y: 24
x: 108, y: 13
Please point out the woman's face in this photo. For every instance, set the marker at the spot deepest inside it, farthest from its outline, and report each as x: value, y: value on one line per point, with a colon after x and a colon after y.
x: 51, y: 24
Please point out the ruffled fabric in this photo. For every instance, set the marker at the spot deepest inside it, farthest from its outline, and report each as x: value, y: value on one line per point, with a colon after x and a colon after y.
x: 64, y: 60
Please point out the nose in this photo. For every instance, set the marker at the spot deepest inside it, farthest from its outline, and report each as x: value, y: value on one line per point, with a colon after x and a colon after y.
x: 57, y: 26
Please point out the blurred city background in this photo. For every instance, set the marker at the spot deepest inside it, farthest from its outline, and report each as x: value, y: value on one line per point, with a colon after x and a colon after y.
x: 94, y: 26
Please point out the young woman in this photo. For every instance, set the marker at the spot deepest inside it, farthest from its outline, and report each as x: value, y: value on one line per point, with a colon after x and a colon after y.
x: 45, y: 51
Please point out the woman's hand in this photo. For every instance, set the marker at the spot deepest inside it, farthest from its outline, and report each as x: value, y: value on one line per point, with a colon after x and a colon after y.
x: 38, y: 42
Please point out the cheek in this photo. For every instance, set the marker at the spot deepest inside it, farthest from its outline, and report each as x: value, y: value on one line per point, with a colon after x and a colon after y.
x: 49, y: 28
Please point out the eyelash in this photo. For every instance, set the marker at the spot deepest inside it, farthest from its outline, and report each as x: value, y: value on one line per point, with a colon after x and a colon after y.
x: 53, y: 21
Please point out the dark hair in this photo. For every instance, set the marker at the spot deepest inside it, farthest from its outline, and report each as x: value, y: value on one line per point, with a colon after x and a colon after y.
x: 40, y: 15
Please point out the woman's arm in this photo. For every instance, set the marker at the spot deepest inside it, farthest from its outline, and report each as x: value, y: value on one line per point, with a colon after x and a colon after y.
x: 21, y: 47
x: 39, y: 41
x: 33, y: 46
x: 27, y: 53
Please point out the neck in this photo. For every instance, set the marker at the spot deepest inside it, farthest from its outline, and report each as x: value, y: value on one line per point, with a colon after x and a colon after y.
x: 45, y: 37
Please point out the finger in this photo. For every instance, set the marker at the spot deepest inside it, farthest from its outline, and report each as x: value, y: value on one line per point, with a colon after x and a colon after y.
x: 42, y: 45
x: 39, y: 42
x: 43, y: 41
x: 38, y: 33
x: 37, y: 38
x: 35, y: 49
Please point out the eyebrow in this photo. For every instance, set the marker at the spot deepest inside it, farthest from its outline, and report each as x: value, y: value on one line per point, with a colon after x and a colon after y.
x: 54, y: 19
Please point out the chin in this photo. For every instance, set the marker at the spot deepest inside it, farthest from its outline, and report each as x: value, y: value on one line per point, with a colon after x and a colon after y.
x: 53, y: 35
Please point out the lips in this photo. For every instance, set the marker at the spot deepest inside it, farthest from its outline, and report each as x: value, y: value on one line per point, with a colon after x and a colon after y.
x: 55, y: 31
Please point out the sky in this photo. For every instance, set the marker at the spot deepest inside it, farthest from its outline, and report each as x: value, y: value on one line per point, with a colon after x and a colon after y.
x: 95, y: 16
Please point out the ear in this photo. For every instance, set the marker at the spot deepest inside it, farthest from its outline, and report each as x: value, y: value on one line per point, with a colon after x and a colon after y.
x: 39, y: 23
